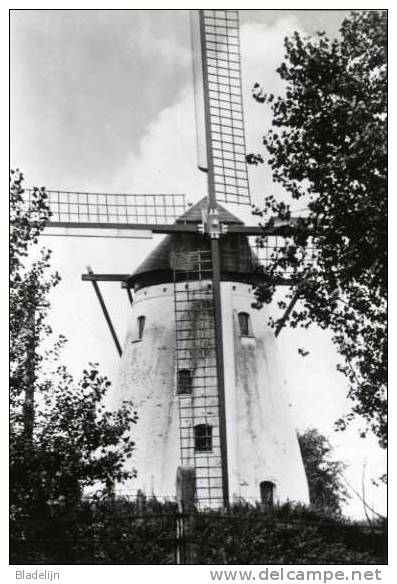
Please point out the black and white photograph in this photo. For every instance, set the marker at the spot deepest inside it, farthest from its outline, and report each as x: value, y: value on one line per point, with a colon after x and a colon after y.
x: 198, y: 291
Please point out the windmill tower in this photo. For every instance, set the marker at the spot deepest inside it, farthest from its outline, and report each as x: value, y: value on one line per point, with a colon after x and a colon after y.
x: 169, y: 368
x: 198, y: 362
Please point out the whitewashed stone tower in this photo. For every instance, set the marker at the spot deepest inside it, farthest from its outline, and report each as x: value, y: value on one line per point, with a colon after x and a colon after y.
x: 167, y: 371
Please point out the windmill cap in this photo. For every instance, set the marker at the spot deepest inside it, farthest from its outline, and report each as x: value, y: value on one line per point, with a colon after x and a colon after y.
x: 195, y: 213
x: 238, y: 261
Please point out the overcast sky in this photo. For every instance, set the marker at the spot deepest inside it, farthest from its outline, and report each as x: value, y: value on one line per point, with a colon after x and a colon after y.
x: 102, y: 100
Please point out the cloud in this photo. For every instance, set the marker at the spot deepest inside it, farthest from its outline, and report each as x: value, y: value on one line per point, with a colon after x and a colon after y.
x: 164, y: 47
x: 166, y: 159
x: 262, y: 52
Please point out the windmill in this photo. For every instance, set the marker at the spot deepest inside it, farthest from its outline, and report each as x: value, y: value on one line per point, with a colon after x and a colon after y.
x: 193, y: 255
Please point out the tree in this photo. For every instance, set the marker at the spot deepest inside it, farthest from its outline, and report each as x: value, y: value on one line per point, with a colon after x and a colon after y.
x: 327, y: 148
x: 62, y: 439
x: 324, y: 475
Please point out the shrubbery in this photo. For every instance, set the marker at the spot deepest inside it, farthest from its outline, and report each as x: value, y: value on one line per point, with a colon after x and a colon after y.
x: 100, y: 532
x: 286, y: 535
x: 132, y: 532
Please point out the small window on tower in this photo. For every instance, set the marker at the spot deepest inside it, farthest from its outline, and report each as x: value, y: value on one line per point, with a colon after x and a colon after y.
x: 184, y: 385
x: 141, y: 326
x: 203, y: 438
x: 267, y: 494
x: 244, y: 323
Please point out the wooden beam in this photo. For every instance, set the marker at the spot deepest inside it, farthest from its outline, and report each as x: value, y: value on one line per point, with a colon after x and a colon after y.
x: 216, y: 274
x: 105, y: 312
x: 281, y: 321
x: 283, y: 229
x: 273, y: 228
x: 129, y: 294
x: 155, y: 228
x: 91, y: 277
x: 220, y: 366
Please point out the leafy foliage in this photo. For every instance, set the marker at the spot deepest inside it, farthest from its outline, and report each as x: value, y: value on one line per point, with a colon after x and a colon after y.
x: 102, y: 531
x: 62, y: 439
x: 146, y: 532
x: 29, y: 286
x: 327, y: 148
x: 286, y: 535
x: 324, y: 474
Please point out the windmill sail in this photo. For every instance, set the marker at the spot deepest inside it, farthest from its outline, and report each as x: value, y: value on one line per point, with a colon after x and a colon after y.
x: 224, y: 126
x: 86, y: 214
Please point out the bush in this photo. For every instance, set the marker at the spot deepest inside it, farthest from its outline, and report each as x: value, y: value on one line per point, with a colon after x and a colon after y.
x: 120, y: 531
x: 286, y: 535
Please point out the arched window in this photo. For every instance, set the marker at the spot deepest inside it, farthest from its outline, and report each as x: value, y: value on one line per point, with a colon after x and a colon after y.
x: 203, y: 438
x: 184, y: 379
x: 244, y: 323
x: 141, y: 326
x: 267, y: 493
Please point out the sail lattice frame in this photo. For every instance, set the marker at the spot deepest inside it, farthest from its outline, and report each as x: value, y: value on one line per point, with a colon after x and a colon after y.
x: 70, y: 207
x: 220, y: 39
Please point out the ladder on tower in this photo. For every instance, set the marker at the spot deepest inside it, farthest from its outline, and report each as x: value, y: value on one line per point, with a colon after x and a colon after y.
x: 196, y: 374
